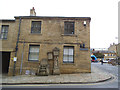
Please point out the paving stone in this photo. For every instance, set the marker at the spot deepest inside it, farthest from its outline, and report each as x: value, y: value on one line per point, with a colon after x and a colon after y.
x: 95, y: 76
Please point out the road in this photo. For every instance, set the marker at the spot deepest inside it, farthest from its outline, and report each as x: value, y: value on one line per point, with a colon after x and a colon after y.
x: 107, y: 84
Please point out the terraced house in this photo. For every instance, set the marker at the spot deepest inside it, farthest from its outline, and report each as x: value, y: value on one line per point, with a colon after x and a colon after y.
x: 34, y: 44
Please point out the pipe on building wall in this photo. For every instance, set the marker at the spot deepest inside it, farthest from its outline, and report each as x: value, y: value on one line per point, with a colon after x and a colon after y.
x: 16, y: 49
x: 22, y: 57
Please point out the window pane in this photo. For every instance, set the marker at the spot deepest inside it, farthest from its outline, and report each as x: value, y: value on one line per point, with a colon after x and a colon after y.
x: 36, y: 27
x: 65, y: 58
x: 4, y: 28
x: 4, y: 31
x: 66, y: 51
x: 5, y: 35
x: 34, y: 53
x: 1, y: 35
x: 71, y: 51
x: 105, y: 54
x: 34, y: 48
x: 70, y: 58
x: 68, y: 27
x: 33, y: 56
x: 68, y: 54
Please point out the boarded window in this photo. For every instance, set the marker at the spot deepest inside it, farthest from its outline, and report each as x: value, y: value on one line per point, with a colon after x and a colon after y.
x: 68, y: 27
x: 36, y: 27
x: 68, y: 54
x: 34, y: 52
x: 4, y: 32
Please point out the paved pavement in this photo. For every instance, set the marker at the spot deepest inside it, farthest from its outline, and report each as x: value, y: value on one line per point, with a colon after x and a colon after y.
x: 95, y: 76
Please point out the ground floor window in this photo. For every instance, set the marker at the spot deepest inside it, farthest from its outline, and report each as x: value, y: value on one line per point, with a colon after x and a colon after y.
x: 34, y: 52
x: 68, y: 54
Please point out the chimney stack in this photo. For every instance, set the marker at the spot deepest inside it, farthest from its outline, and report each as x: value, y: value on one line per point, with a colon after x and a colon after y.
x: 32, y: 12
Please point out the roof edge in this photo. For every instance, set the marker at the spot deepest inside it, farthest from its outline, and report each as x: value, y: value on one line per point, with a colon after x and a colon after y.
x: 10, y: 20
x: 50, y: 17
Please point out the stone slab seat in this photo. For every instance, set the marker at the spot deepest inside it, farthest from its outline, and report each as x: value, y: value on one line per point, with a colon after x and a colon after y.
x: 43, y: 69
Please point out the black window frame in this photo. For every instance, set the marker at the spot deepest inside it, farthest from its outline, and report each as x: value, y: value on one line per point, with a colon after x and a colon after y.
x: 69, y: 27
x: 34, y: 28
x: 68, y: 61
x: 30, y: 52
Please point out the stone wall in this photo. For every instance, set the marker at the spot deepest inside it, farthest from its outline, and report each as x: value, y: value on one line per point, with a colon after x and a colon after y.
x: 51, y: 36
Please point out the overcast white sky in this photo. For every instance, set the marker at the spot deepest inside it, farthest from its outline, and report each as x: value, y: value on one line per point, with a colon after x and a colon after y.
x: 103, y: 13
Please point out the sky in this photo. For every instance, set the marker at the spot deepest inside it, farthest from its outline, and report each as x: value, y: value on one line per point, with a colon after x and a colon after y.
x: 103, y: 13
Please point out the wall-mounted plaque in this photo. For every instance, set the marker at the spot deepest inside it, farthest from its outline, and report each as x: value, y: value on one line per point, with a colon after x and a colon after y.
x: 50, y: 55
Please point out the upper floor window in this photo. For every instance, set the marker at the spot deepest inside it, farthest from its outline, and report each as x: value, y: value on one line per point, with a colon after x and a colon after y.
x: 4, y: 31
x: 36, y: 27
x: 68, y: 27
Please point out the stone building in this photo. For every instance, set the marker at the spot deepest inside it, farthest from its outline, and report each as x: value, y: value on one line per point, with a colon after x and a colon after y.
x: 109, y: 55
x: 112, y: 47
x: 28, y: 40
x: 118, y: 50
x: 118, y: 53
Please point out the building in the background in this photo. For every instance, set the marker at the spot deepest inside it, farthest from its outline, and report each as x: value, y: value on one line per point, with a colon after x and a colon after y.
x: 118, y: 53
x: 112, y: 47
x: 118, y: 50
x: 31, y: 41
x: 108, y: 55
x: 104, y: 54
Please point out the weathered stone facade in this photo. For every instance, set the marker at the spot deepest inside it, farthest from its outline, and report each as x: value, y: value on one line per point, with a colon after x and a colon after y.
x: 51, y: 36
x: 118, y: 50
x: 112, y: 47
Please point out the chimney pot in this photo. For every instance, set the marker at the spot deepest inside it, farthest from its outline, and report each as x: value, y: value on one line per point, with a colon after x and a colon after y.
x: 33, y: 8
x: 32, y: 12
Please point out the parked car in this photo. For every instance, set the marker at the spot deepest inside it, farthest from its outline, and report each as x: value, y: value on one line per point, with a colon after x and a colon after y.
x: 112, y: 61
x: 105, y: 61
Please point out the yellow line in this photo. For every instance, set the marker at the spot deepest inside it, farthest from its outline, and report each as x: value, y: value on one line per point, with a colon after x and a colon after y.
x: 22, y: 85
x: 47, y: 85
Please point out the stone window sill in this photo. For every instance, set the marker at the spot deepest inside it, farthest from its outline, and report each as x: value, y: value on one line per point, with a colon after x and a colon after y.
x: 68, y: 63
x: 69, y: 35
x: 3, y: 39
x: 33, y: 61
x: 35, y: 34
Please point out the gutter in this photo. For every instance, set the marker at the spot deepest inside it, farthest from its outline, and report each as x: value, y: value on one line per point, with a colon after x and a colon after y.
x: 16, y: 49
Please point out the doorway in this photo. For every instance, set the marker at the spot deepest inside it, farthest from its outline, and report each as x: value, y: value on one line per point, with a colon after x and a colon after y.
x: 5, y: 62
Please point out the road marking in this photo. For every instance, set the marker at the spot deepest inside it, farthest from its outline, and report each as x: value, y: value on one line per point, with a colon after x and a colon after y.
x: 49, y: 85
x: 22, y: 85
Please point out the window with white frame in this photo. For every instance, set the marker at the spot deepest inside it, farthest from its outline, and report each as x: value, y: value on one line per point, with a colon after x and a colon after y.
x: 68, y: 54
x: 105, y: 54
x: 4, y: 31
x: 34, y: 53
